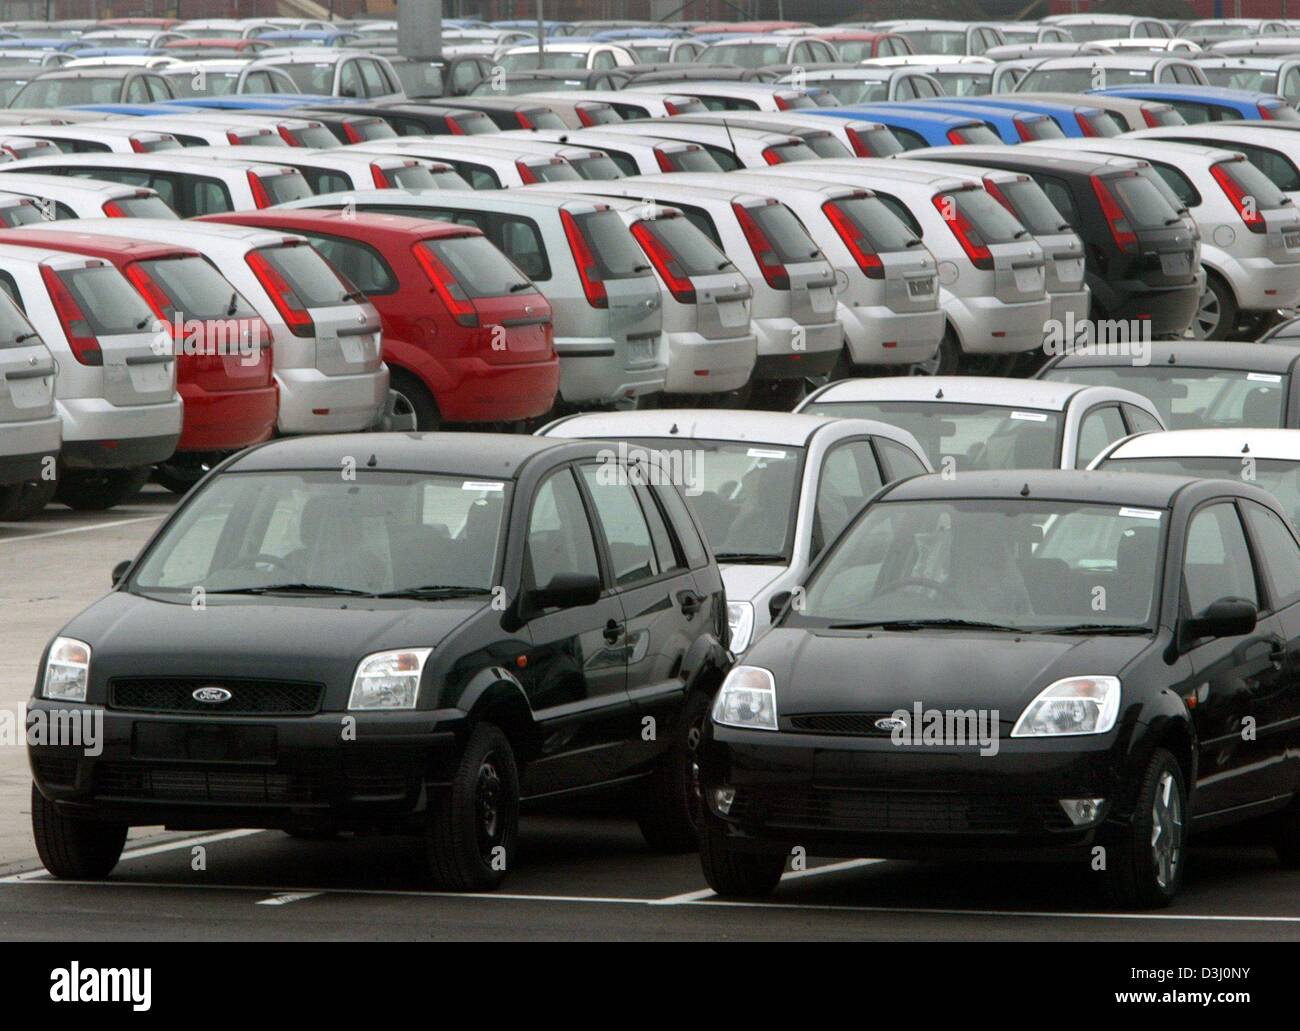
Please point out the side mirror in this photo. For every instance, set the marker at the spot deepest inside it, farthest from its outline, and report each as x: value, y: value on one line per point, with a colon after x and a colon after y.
x: 566, y: 591
x: 119, y: 571
x: 1227, y: 617
x: 777, y: 602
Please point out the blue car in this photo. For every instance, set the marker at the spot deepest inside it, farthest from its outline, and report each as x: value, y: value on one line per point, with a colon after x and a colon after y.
x: 913, y: 127
x: 257, y: 101
x: 162, y: 107
x: 1072, y: 119
x: 309, y: 38
x: 27, y: 43
x: 1211, y: 103
x: 1012, y: 124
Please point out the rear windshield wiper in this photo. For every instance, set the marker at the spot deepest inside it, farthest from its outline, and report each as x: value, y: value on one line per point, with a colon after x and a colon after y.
x: 22, y: 338
x: 434, y: 591
x: 519, y: 287
x: 920, y: 624
x: 1093, y: 628
x: 297, y: 589
x: 748, y: 556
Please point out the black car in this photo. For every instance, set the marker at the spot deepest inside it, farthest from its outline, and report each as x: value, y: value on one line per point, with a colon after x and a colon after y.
x: 398, y: 632
x: 510, y: 112
x: 409, y: 119
x: 1025, y: 665
x: 347, y: 126
x: 1200, y: 384
x: 1140, y: 250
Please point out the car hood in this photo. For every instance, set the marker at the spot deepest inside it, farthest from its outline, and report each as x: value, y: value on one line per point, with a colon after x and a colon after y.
x: 744, y: 582
x: 820, y: 671
x: 309, y: 639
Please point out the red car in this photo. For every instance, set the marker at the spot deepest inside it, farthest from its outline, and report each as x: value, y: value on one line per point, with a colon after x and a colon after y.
x: 862, y: 45
x: 467, y: 336
x: 223, y: 366
x: 749, y: 28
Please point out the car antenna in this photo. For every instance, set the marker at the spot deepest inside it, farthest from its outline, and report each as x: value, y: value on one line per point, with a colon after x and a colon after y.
x: 938, y: 396
x: 730, y: 141
x: 674, y: 429
x: 372, y: 462
x: 1172, y: 360
x: 1024, y: 491
x: 1245, y: 449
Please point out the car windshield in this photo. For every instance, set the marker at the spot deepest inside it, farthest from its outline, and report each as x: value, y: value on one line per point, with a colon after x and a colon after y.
x: 1080, y: 80
x: 201, y: 83
x: 744, y: 495
x: 1279, y: 477
x: 419, y: 78
x: 936, y: 42
x: 1189, y: 398
x: 319, y: 532
x: 311, y: 78
x: 746, y: 55
x: 1023, y: 564
x: 528, y: 60
x: 854, y: 91
x: 963, y: 436
x: 965, y: 84
x: 68, y: 92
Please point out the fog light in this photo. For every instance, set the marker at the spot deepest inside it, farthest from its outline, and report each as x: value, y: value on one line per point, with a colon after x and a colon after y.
x: 722, y: 799
x: 1083, y: 811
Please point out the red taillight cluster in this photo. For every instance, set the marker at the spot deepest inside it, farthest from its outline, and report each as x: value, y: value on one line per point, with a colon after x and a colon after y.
x: 153, y: 294
x: 1085, y: 124
x: 782, y: 102
x: 261, y: 198
x: 585, y: 118
x: 1150, y: 118
x: 861, y: 145
x: 1023, y: 128
x: 81, y: 338
x: 287, y: 135
x: 455, y: 128
x: 138, y: 146
x: 380, y: 177
x: 447, y: 287
x: 113, y: 210
x: 588, y: 271
x: 282, y: 295
x: 1244, y: 203
x: 971, y: 242
x: 855, y: 240
x: 665, y: 263
x: 772, y: 155
x: 526, y: 173
x: 1266, y: 112
x: 1120, y: 230
x: 774, y: 270
x: 351, y: 132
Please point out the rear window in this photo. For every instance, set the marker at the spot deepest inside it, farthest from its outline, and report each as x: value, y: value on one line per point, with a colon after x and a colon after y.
x: 824, y: 145
x: 785, y: 233
x: 783, y: 153
x: 148, y: 146
x: 557, y: 171
x: 316, y: 284
x: 141, y: 207
x: 108, y: 303
x: 1042, y: 129
x: 22, y: 214
x: 195, y: 289
x: 598, y: 166
x: 316, y: 136
x: 696, y: 254
x: 1026, y: 200
x: 616, y: 252
x: 598, y: 114
x: 1163, y: 114
x: 14, y: 328
x: 543, y: 118
x: 1145, y: 205
x: 473, y: 123
x: 873, y: 218
x: 987, y: 217
x: 978, y: 135
x: 1103, y: 124
x: 795, y: 101
x: 285, y: 186
x: 1255, y: 184
x: 411, y: 177
x: 694, y: 159
x: 481, y: 269
x: 369, y: 129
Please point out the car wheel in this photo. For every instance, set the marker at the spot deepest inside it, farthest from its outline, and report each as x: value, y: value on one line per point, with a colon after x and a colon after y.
x: 94, y: 490
x: 671, y: 805
x: 471, y: 833
x: 735, y: 873
x: 71, y: 848
x: 181, y: 473
x: 1216, y: 314
x: 35, y: 496
x: 946, y: 360
x: 413, y: 398
x: 1146, y: 858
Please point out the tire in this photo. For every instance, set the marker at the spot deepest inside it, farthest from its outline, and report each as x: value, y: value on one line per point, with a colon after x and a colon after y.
x: 416, y: 398
x: 670, y: 808
x: 735, y: 874
x: 11, y: 496
x: 777, y: 395
x: 35, y: 496
x: 94, y: 490
x: 1216, y: 313
x: 179, y: 477
x: 1285, y: 827
x: 462, y: 834
x: 946, y: 361
x: 1145, y: 859
x: 71, y: 848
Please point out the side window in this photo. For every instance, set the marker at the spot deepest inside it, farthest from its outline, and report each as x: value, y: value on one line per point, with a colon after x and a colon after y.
x: 464, y: 75
x: 680, y: 517
x: 899, y: 461
x: 372, y: 79
x: 660, y: 535
x: 726, y: 160
x: 1061, y: 197
x: 620, y: 515
x: 625, y: 163
x: 924, y: 88
x: 350, y: 84
x: 849, y: 476
x: 1140, y: 421
x: 521, y: 241
x: 1100, y: 427
x: 157, y: 86
x: 360, y: 262
x: 1277, y: 549
x: 900, y: 211
x: 258, y: 82
x: 604, y: 59
x: 909, y: 139
x: 1217, y: 562
x: 559, y: 535
x: 904, y: 89
x: 1180, y: 184
x: 10, y: 288
x: 326, y: 182
x: 210, y: 197
x: 137, y: 91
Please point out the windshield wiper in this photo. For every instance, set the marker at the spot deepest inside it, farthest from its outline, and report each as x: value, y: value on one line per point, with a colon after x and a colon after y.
x: 1093, y: 628
x: 298, y: 589
x: 748, y: 556
x: 920, y: 624
x: 433, y: 591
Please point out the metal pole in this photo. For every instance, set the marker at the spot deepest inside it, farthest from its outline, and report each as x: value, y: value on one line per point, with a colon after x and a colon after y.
x: 419, y: 29
x: 541, y: 35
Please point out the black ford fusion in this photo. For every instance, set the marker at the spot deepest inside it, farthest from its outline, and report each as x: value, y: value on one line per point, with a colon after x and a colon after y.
x: 410, y: 633
x: 1020, y: 665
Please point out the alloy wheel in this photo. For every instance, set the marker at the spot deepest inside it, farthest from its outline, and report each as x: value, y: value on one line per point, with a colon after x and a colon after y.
x: 1167, y: 830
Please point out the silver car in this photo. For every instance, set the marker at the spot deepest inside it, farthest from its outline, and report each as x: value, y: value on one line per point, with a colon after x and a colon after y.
x: 30, y: 429
x: 770, y: 489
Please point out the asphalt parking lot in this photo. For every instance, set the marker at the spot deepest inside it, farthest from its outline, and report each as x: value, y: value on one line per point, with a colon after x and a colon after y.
x: 588, y: 876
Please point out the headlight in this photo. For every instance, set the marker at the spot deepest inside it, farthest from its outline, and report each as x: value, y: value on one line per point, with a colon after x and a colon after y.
x: 1075, y: 705
x: 740, y: 617
x: 67, y: 670
x: 747, y: 699
x: 388, y: 680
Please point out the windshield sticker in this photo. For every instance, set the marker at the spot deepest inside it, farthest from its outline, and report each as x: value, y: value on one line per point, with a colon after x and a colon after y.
x: 758, y: 452
x: 1140, y: 513
x: 476, y: 485
x: 1030, y: 416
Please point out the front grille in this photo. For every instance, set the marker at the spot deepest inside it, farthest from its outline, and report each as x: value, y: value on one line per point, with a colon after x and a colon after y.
x: 858, y: 723
x: 58, y: 772
x: 834, y: 809
x: 247, y: 697
x: 197, y: 784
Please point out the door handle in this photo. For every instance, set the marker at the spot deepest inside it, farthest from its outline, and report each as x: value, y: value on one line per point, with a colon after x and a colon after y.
x: 690, y: 602
x: 613, y: 631
x: 1277, y: 652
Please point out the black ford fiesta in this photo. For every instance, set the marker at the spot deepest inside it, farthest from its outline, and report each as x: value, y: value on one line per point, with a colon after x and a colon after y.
x: 391, y: 632
x: 1021, y: 664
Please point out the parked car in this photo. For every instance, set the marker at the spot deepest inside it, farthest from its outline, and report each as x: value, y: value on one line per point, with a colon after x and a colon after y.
x: 524, y: 146
x: 1277, y: 75
x: 31, y: 431
x: 224, y: 78
x: 627, y: 103
x: 933, y: 36
x: 346, y: 126
x: 426, y: 119
x: 222, y: 347
x: 1072, y: 119
x: 1214, y: 103
x: 592, y: 565
x: 325, y: 336
x: 59, y: 196
x: 863, y: 84
x: 466, y: 337
x: 761, y: 51
x: 240, y: 129
x: 915, y: 128
x: 825, y: 137
x: 98, y: 137
x: 1099, y: 71
x: 604, y: 298
x: 732, y: 95
x: 565, y: 56
x: 483, y: 168
x: 331, y: 72
x: 770, y: 490
x: 342, y: 168
x: 1012, y: 125
x: 1089, y: 27
x: 511, y: 112
x: 631, y: 155
x: 1128, y: 114
x: 1275, y: 153
x: 112, y: 85
x: 115, y: 391
x: 730, y: 146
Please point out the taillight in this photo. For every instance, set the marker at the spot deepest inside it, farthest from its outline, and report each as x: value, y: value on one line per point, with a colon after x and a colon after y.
x: 1266, y: 111
x: 855, y: 240
x: 380, y: 178
x: 971, y: 242
x: 113, y: 210
x: 282, y: 295
x: 147, y: 287
x: 526, y: 173
x: 1023, y: 128
x: 1244, y: 204
x: 955, y: 137
x: 588, y: 271
x: 1125, y: 238
x: 1150, y: 118
x: 261, y: 199
x: 782, y: 104
x: 765, y: 254
x: 672, y: 108
x: 350, y: 131
x: 996, y: 193
x: 452, y: 293
x: 665, y: 263
x: 861, y: 145
x: 772, y: 155
x: 1085, y: 125
x: 665, y: 162
x: 524, y: 121
x: 234, y: 139
x: 138, y: 146
x: 584, y: 117
x: 81, y: 338
x: 455, y: 128
x: 286, y: 134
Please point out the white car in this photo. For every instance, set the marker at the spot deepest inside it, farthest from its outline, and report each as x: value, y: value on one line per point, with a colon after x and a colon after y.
x: 734, y: 95
x: 980, y: 422
x: 223, y: 77
x: 119, y: 137
x: 1088, y: 28
x: 632, y: 155
x: 731, y: 146
x: 30, y: 428
x: 64, y: 197
x: 628, y: 103
x: 771, y: 490
x: 340, y: 168
x: 483, y: 168
x: 825, y: 137
x: 522, y: 144
x: 334, y: 72
x: 325, y: 340
x: 239, y: 129
x: 566, y: 56
x: 1080, y: 74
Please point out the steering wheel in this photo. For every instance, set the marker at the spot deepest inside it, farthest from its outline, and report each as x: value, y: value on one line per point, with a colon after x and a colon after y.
x: 262, y: 557
x: 937, y: 589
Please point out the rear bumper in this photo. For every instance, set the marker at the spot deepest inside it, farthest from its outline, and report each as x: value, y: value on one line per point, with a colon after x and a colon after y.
x: 1260, y: 284
x: 698, y: 365
x: 1169, y: 309
x: 311, y: 402
x: 986, y: 325
x: 599, y: 370
x: 226, y: 420
x: 482, y: 392
x: 782, y: 339
x: 1071, y: 306
x: 97, y: 434
x: 877, y: 335
x: 28, y: 447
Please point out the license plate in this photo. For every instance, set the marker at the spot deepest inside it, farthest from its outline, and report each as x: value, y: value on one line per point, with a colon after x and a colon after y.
x: 920, y: 287
x: 733, y: 313
x: 29, y: 393
x: 1175, y: 264
x: 353, y: 349
x: 1291, y: 240
x: 1069, y: 270
x: 1029, y: 279
x: 642, y: 351
x: 150, y: 378
x: 203, y: 742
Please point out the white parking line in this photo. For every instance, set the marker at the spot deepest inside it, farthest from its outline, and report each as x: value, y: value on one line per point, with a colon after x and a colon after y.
x: 76, y: 529
x: 284, y: 898
x: 792, y: 875
x: 138, y: 853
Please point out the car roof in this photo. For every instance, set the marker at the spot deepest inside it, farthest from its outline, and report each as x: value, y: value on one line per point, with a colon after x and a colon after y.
x: 1147, y: 490
x: 787, y: 428
x: 985, y: 390
x: 88, y: 242
x: 1270, y: 357
x: 498, y: 200
x: 1212, y: 443
x: 975, y: 156
x: 494, y: 455
x: 361, y: 224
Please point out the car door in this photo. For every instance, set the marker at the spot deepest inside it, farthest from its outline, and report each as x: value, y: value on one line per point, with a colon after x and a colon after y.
x: 654, y: 585
x: 1231, y: 675
x: 1101, y: 426
x: 849, y: 474
x: 576, y: 673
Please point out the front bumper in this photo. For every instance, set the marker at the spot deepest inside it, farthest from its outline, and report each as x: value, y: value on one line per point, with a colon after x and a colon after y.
x: 699, y: 365
x: 312, y: 402
x: 877, y: 335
